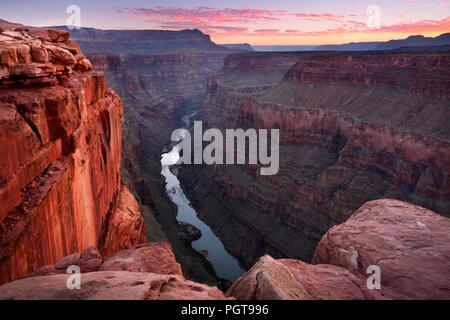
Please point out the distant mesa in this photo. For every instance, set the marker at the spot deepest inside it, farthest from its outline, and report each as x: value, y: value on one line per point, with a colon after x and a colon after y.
x: 97, y: 41
x: 411, y: 41
x: 410, y: 44
x: 238, y: 46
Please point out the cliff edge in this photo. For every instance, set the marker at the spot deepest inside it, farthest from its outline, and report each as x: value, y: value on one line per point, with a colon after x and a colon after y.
x: 404, y: 245
x: 408, y: 245
x: 60, y: 146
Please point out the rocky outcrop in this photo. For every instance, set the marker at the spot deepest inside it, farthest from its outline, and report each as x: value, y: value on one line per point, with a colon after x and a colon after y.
x: 408, y: 243
x: 61, y: 138
x: 110, y: 285
x: 36, y: 56
x: 353, y: 128
x: 155, y: 257
x: 149, y: 272
x: 268, y: 280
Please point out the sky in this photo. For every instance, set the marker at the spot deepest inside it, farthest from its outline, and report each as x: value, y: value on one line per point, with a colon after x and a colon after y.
x: 258, y: 22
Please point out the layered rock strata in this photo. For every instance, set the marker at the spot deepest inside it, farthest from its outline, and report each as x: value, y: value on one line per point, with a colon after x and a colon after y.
x: 149, y: 272
x: 61, y: 189
x: 353, y: 128
x: 158, y: 88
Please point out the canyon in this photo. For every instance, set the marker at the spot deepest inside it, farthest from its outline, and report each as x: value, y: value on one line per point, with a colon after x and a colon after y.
x: 408, y: 242
x: 159, y: 84
x: 338, y: 147
x: 363, y: 176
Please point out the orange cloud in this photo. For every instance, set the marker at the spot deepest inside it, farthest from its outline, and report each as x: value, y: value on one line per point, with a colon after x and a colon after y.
x: 241, y: 25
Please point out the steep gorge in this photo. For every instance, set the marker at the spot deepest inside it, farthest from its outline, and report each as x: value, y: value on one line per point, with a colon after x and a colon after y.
x: 353, y: 128
x: 160, y: 77
x: 64, y: 201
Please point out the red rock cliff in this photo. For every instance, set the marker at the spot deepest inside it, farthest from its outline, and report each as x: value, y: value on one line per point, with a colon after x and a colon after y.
x: 60, y: 147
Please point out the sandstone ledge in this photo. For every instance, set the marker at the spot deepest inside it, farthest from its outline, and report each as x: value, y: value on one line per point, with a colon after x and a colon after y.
x: 408, y: 243
x: 37, y: 55
x: 149, y: 272
x: 110, y: 285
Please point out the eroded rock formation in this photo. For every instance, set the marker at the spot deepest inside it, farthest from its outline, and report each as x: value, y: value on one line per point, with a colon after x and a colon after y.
x: 353, y: 128
x: 408, y: 243
x: 149, y: 272
x: 111, y: 285
x: 61, y: 189
x: 160, y: 79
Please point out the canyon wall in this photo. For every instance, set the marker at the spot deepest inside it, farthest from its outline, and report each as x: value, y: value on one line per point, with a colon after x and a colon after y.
x: 404, y: 245
x: 353, y: 128
x: 96, y: 41
x: 61, y: 189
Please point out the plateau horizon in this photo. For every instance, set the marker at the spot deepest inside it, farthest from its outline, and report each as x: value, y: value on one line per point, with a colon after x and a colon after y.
x: 235, y: 147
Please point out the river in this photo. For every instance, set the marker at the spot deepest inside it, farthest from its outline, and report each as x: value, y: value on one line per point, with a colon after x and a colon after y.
x: 226, y: 266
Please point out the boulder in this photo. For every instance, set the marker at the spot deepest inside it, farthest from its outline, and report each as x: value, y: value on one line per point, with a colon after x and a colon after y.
x: 268, y: 279
x: 52, y: 35
x: 329, y: 282
x: 408, y: 243
x: 83, y: 65
x: 39, y: 54
x: 156, y: 257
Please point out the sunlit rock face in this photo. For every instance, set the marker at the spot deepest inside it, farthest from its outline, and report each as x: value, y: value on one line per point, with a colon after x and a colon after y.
x: 353, y: 128
x: 61, y: 139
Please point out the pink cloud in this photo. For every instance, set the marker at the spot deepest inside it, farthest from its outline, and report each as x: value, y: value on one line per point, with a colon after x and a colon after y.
x: 202, y: 14
x: 220, y: 21
x: 214, y: 16
x: 418, y: 27
x: 266, y: 30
